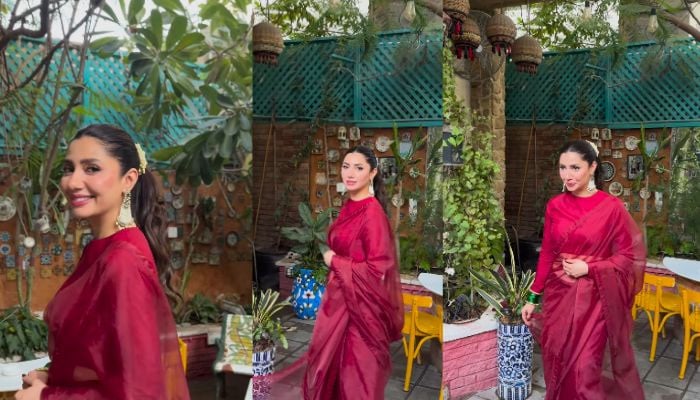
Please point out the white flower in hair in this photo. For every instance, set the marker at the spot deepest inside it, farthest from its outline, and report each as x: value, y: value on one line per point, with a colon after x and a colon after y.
x: 595, y: 148
x: 143, y: 163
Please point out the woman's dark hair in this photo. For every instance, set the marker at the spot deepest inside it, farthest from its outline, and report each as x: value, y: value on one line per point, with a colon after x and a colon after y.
x: 148, y: 213
x: 373, y: 162
x: 588, y: 153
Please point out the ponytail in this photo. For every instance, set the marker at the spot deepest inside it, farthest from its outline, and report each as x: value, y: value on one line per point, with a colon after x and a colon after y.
x: 148, y: 214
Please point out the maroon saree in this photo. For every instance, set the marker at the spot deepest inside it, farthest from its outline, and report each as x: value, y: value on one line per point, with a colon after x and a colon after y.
x: 360, y: 315
x: 111, y: 331
x: 586, y: 323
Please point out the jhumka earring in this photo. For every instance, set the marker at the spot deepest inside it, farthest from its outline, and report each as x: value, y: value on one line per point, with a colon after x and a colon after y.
x: 371, y: 188
x: 591, y: 184
x: 125, y: 219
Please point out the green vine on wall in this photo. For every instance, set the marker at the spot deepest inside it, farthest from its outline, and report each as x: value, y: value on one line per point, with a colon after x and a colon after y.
x: 473, y: 216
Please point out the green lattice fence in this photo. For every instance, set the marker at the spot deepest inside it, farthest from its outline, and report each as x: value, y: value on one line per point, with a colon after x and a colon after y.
x: 106, y: 99
x: 652, y: 85
x: 401, y: 81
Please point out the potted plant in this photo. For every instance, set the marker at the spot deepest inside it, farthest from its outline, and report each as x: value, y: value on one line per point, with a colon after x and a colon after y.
x: 311, y: 271
x: 23, y: 346
x: 506, y: 291
x: 267, y: 330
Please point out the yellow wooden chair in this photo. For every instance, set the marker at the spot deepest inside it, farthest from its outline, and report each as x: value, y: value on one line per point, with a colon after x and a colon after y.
x: 690, y: 311
x: 183, y: 353
x: 418, y: 326
x: 655, y: 301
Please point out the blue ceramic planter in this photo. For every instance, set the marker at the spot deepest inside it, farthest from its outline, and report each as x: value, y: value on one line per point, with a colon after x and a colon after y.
x: 263, y: 366
x: 514, y: 362
x: 264, y: 362
x: 306, y: 295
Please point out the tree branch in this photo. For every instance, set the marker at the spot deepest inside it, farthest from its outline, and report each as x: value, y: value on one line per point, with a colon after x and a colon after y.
x: 690, y: 11
x: 28, y: 12
x: 15, y: 33
x: 680, y: 24
x: 49, y: 56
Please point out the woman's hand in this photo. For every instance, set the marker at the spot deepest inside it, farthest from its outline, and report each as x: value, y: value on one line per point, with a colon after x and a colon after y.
x: 37, y: 382
x: 328, y: 257
x: 575, y: 268
x: 526, y: 313
x: 35, y: 375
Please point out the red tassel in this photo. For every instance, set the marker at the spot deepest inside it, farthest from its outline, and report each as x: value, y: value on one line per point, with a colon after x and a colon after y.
x: 458, y: 27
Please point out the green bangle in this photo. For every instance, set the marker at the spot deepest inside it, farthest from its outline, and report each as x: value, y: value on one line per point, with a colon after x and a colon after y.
x: 533, y: 298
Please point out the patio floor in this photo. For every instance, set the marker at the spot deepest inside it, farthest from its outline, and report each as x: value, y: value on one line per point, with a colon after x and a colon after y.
x: 660, y: 378
x: 425, y: 379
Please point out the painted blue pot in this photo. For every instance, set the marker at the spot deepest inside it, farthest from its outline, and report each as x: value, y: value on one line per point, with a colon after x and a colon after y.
x: 264, y: 362
x: 263, y: 366
x: 514, y: 362
x: 306, y: 295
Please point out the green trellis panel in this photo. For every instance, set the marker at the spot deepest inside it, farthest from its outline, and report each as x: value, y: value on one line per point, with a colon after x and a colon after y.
x: 401, y: 81
x: 583, y: 86
x: 106, y: 82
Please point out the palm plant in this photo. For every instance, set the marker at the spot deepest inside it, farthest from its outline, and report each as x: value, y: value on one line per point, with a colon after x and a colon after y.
x: 505, y: 290
x: 267, y: 328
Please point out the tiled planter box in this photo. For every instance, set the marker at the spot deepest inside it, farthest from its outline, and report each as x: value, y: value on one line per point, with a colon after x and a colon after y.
x: 470, y: 361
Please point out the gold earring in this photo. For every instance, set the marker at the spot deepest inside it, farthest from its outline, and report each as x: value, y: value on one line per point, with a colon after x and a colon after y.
x: 591, y: 184
x: 125, y: 218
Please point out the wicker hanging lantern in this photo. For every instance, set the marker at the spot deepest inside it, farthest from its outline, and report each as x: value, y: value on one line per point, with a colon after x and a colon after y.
x: 500, y: 30
x: 458, y: 11
x: 468, y: 40
x: 526, y: 54
x: 267, y: 43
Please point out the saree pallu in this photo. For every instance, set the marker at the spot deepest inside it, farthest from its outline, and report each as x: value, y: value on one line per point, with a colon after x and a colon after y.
x: 111, y: 330
x: 585, y: 322
x: 360, y: 315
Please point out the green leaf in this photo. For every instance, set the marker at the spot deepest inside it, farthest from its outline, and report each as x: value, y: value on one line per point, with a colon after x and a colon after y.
x: 177, y: 29
x: 135, y: 7
x: 106, y: 46
x: 151, y: 40
x: 305, y: 214
x: 226, y: 148
x: 167, y: 153
x: 156, y: 22
x: 188, y: 40
x: 112, y: 16
x: 170, y: 5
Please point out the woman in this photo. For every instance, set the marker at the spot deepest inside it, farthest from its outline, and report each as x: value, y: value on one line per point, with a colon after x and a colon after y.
x: 591, y: 266
x: 362, y: 309
x: 111, y: 331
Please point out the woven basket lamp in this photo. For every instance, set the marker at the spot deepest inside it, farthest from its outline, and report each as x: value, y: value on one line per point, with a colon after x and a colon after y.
x: 527, y: 54
x: 500, y: 31
x: 468, y: 40
x: 458, y: 11
x: 267, y: 43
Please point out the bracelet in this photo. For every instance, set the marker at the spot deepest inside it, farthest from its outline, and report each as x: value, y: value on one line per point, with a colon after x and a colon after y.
x: 533, y: 298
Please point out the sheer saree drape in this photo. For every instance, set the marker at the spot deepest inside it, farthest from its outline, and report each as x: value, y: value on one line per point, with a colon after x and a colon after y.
x: 111, y: 330
x: 360, y: 315
x: 585, y: 322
